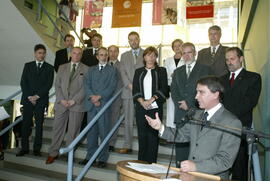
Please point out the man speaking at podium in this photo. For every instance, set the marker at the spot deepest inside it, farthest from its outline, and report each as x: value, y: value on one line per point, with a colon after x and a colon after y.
x: 212, y: 151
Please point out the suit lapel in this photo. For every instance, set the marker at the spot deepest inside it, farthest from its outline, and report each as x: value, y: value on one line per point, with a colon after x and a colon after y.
x: 239, y: 78
x: 193, y: 72
x: 184, y: 74
x: 42, y: 68
x: 214, y: 119
x: 77, y: 71
x: 65, y: 78
x: 219, y: 50
x: 66, y: 55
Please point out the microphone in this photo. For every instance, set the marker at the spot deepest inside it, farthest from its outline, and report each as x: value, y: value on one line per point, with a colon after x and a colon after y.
x: 179, y: 124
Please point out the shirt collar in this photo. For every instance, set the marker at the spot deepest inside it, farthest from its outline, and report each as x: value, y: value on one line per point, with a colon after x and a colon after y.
x: 215, y: 47
x: 77, y: 63
x: 236, y: 73
x: 213, y: 110
x: 39, y: 62
x: 99, y: 65
x: 69, y: 49
x: 113, y: 61
x: 191, y: 65
x: 94, y: 49
x: 137, y: 51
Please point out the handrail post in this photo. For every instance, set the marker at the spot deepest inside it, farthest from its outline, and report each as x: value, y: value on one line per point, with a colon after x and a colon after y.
x: 50, y: 18
x: 70, y: 165
x: 68, y: 21
x: 39, y: 11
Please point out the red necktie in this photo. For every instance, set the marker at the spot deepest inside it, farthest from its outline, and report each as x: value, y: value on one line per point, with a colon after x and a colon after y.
x: 232, y: 79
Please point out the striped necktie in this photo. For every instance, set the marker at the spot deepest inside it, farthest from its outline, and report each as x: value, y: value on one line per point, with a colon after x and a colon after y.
x: 204, y: 119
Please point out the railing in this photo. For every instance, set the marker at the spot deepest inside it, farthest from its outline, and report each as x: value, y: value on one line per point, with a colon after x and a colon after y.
x: 2, y: 103
x: 18, y: 120
x: 70, y: 148
x: 10, y: 97
x: 255, y: 160
x: 69, y: 23
x: 41, y: 7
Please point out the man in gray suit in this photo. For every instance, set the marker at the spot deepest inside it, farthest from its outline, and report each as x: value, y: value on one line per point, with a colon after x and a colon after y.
x: 117, y: 104
x: 130, y: 61
x: 212, y: 150
x: 183, y: 91
x: 100, y: 84
x: 69, y: 104
x: 214, y: 56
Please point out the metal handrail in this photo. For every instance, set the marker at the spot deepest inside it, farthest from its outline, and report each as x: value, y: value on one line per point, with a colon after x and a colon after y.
x: 69, y: 23
x: 70, y: 148
x: 100, y: 148
x: 10, y: 97
x: 18, y: 120
x: 50, y: 18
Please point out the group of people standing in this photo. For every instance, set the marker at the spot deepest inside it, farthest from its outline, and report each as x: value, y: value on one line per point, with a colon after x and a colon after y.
x: 87, y: 79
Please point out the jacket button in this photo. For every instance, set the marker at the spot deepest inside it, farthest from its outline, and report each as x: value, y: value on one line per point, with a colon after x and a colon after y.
x: 196, y: 144
x: 193, y: 158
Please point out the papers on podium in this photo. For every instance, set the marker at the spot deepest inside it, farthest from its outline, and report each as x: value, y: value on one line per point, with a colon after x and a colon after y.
x: 149, y: 168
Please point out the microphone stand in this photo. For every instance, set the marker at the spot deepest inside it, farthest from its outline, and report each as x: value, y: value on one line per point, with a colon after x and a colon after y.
x: 252, y: 136
x: 179, y: 125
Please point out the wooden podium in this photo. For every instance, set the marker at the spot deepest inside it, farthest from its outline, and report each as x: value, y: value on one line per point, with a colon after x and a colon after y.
x: 128, y: 174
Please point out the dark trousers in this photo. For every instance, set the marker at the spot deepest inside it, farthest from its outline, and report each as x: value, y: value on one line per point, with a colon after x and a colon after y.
x: 239, y: 169
x: 28, y: 112
x: 148, y: 137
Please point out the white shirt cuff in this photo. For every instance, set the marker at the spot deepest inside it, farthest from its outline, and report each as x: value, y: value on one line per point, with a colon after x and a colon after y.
x: 161, y: 131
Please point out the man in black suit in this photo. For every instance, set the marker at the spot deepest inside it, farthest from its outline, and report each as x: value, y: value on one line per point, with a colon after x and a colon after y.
x: 63, y: 56
x: 36, y: 81
x: 242, y: 91
x: 89, y: 55
x: 183, y: 91
x: 214, y: 56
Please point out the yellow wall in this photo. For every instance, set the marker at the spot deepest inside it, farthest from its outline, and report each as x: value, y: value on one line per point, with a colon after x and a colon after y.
x: 257, y: 56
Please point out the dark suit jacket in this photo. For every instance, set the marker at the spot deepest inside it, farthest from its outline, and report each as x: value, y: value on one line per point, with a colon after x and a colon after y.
x: 88, y: 58
x: 212, y: 150
x: 36, y: 83
x: 61, y: 57
x: 159, y: 84
x: 185, y: 89
x: 218, y: 63
x: 243, y: 96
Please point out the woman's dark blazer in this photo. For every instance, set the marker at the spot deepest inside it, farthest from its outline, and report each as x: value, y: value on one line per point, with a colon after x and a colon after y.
x: 159, y: 84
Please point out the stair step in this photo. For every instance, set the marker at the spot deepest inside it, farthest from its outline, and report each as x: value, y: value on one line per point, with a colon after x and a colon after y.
x: 121, y: 130
x: 42, y: 173
x: 114, y: 157
x: 107, y: 174
x: 163, y: 149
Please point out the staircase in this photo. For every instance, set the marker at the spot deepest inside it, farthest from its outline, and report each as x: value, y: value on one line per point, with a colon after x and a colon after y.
x: 30, y: 167
x: 48, y: 34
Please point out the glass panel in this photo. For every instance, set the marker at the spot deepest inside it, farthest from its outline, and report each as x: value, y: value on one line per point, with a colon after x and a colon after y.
x: 195, y: 30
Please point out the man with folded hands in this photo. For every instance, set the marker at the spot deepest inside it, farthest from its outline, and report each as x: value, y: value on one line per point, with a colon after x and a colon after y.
x: 69, y: 104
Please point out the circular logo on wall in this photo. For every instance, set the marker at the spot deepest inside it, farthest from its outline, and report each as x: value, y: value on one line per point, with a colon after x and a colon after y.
x: 126, y: 4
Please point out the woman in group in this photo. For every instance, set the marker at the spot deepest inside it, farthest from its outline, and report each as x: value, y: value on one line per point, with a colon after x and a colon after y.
x: 171, y: 64
x: 150, y: 90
